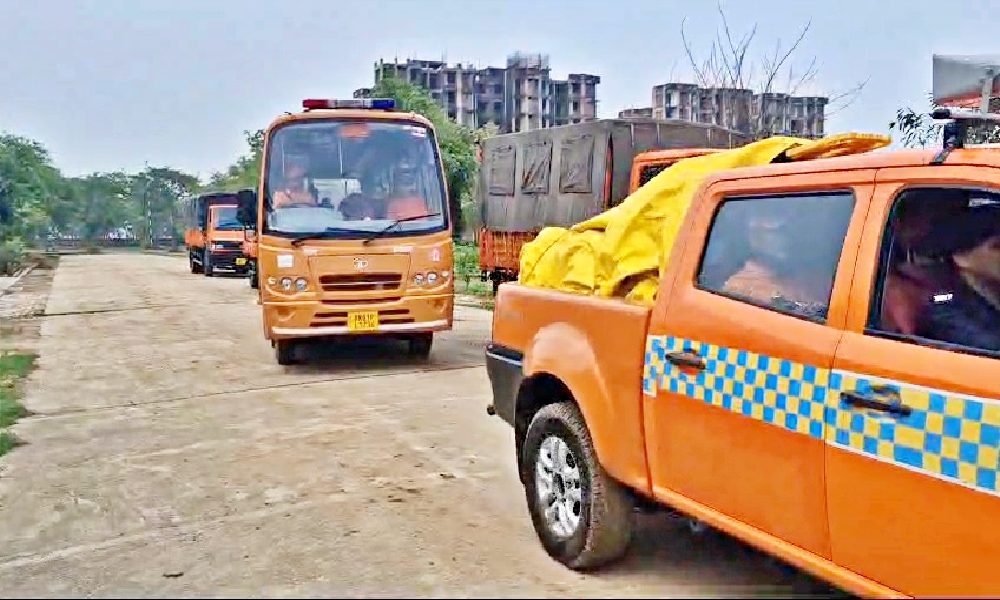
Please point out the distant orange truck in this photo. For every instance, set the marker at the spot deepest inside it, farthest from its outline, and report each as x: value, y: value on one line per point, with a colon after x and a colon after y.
x: 797, y: 383
x: 213, y: 236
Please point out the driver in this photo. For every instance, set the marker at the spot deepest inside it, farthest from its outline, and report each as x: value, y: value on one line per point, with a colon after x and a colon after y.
x: 405, y: 201
x: 293, y: 191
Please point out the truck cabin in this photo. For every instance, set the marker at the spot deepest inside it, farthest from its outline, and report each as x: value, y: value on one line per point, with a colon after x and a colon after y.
x: 352, y: 177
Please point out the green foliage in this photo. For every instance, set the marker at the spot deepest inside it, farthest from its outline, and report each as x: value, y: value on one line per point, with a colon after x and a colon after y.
x: 42, y: 202
x: 245, y: 172
x: 14, y: 367
x: 466, y: 263
x: 918, y: 130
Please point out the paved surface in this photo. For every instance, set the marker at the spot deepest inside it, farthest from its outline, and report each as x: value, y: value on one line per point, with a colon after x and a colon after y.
x: 169, y: 455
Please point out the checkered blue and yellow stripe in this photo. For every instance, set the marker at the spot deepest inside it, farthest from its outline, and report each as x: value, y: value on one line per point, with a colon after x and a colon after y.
x: 950, y: 436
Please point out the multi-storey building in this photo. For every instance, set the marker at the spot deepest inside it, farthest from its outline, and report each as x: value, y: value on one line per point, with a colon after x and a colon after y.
x: 519, y: 97
x: 739, y: 109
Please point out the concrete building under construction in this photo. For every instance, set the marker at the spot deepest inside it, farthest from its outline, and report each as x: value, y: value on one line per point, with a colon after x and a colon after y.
x: 738, y: 109
x: 521, y: 96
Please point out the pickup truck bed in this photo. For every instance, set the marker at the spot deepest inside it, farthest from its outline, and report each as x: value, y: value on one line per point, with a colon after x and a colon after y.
x: 520, y: 361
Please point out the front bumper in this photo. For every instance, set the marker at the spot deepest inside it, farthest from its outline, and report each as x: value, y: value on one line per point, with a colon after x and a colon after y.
x: 228, y: 259
x: 504, y: 369
x: 326, y: 317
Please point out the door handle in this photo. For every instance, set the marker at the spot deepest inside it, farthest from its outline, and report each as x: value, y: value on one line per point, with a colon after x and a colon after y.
x: 862, y: 401
x: 686, y: 359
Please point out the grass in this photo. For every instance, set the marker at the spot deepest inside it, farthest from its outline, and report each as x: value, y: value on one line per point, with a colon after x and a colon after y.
x: 467, y: 271
x: 14, y: 367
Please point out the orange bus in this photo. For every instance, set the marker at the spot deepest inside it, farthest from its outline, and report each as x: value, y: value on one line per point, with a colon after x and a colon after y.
x: 354, y: 236
x: 213, y: 235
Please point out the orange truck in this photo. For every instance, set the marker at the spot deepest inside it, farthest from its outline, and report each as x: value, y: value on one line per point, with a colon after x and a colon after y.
x: 565, y: 175
x: 354, y: 236
x: 819, y: 376
x: 213, y: 235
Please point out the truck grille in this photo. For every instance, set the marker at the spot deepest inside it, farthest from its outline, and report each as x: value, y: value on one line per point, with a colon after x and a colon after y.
x: 363, y: 282
x: 227, y: 245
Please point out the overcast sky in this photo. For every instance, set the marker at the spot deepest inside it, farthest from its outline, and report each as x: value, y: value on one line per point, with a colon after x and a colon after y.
x: 110, y: 84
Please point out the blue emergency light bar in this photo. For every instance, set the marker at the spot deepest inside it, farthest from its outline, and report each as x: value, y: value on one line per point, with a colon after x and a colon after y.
x: 355, y: 103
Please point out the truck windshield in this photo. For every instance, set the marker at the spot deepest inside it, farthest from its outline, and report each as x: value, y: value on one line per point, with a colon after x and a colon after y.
x: 224, y: 218
x: 349, y: 179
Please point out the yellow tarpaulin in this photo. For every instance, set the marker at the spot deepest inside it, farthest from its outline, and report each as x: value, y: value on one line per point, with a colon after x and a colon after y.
x: 622, y: 251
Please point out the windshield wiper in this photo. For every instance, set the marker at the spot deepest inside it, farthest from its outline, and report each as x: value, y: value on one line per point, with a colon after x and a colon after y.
x: 329, y: 233
x: 397, y: 222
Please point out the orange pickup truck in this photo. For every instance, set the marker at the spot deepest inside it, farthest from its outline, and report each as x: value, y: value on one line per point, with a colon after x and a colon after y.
x: 819, y: 377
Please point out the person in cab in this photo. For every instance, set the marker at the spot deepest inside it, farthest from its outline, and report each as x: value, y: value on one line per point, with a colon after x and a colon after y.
x: 775, y: 273
x: 964, y: 300
x: 406, y: 201
x: 294, y: 190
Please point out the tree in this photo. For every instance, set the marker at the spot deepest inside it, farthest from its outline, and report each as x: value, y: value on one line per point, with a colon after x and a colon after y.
x: 104, y: 202
x: 731, y: 64
x: 918, y: 130
x: 456, y: 141
x: 245, y: 172
x: 34, y: 193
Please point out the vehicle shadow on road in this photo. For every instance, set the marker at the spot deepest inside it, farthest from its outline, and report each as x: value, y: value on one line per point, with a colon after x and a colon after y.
x: 359, y: 355
x: 666, y: 546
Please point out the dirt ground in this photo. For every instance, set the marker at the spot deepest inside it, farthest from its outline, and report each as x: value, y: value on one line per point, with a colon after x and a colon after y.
x: 168, y: 455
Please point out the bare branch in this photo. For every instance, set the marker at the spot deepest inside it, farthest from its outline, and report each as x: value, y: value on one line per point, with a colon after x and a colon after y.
x: 698, y: 73
x: 730, y: 62
x: 845, y: 99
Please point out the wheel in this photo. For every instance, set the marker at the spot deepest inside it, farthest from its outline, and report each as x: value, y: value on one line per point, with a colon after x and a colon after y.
x: 420, y: 345
x: 206, y: 263
x: 581, y: 515
x: 284, y: 352
x: 252, y: 275
x: 195, y: 267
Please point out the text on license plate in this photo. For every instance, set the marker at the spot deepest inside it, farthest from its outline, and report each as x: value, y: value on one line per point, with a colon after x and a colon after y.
x: 362, y: 321
x: 241, y: 261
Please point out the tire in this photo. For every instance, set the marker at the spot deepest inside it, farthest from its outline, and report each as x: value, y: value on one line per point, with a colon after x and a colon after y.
x: 420, y: 345
x: 603, y: 508
x: 252, y: 275
x: 206, y: 263
x: 284, y: 352
x: 195, y: 267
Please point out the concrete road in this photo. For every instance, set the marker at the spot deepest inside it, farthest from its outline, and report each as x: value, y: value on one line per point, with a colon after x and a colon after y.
x: 169, y: 455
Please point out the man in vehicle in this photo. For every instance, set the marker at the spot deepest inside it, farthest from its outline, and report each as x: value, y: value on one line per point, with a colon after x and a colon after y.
x: 964, y: 303
x: 775, y: 273
x: 405, y: 200
x: 907, y: 289
x: 293, y: 191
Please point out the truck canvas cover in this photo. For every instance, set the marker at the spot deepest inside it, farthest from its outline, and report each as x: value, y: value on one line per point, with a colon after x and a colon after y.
x: 557, y: 176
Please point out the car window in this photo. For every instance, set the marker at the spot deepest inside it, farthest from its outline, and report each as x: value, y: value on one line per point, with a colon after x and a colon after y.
x: 938, y: 281
x: 778, y: 252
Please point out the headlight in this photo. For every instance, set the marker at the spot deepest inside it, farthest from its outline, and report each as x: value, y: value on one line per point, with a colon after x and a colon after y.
x: 418, y: 279
x: 301, y: 285
x: 432, y: 278
x: 272, y: 281
x: 445, y: 274
x: 286, y: 284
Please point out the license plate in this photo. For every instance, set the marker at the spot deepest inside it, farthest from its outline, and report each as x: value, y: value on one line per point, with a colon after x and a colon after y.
x: 362, y: 321
x: 241, y: 261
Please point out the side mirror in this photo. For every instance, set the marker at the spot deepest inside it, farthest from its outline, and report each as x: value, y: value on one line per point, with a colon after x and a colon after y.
x: 246, y: 211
